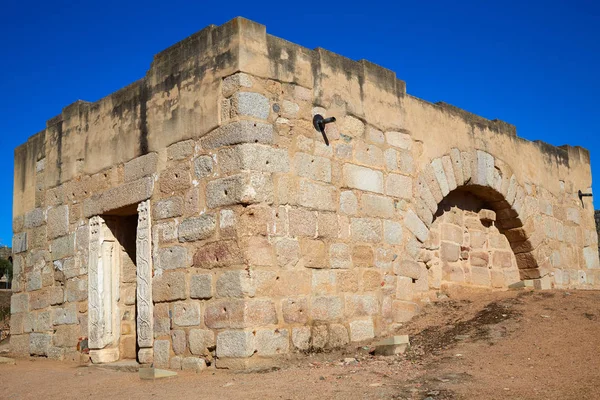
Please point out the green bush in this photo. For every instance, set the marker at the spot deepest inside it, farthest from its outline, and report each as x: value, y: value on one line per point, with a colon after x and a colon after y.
x: 6, y: 268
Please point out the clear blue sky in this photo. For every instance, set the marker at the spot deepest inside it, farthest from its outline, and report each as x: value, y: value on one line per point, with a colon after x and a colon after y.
x: 533, y: 64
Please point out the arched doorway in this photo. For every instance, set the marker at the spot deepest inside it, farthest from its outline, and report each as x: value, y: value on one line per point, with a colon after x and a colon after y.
x: 472, y: 221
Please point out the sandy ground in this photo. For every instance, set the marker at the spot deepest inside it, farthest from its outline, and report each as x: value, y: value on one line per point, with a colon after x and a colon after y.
x: 505, y: 345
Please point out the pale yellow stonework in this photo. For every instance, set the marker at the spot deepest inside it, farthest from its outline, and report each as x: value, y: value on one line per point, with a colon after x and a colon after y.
x: 264, y: 240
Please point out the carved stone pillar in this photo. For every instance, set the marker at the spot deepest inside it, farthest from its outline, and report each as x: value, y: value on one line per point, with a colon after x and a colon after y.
x: 145, y: 318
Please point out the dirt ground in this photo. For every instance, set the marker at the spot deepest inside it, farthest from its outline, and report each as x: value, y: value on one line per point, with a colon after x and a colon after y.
x: 503, y: 345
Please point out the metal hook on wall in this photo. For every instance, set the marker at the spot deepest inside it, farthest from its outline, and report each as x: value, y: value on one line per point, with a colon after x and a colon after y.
x: 582, y: 195
x: 319, y: 123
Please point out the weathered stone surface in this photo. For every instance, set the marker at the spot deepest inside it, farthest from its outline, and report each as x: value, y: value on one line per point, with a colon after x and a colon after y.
x: 363, y: 178
x: 235, y: 344
x: 198, y: 228
x: 186, y: 314
x: 234, y: 82
x: 58, y: 221
x: 218, y: 254
x: 117, y: 197
x: 200, y: 340
x: 76, y: 289
x: 416, y: 226
x: 39, y: 343
x: 174, y: 257
x: 244, y: 188
x: 270, y: 342
x: 62, y: 247
x: 19, y: 243
x: 250, y: 104
x: 326, y: 308
x: 358, y: 305
x: 168, y: 208
x: 399, y: 139
x: 399, y: 186
x: 19, y: 303
x: 162, y: 350
x: 239, y: 132
x: 392, y: 232
x: 302, y: 222
x: 66, y: 315
x: 168, y: 287
x: 181, y: 150
x: 367, y: 230
x: 317, y: 196
x: 361, y: 330
x: 140, y: 167
x: 313, y: 167
x: 340, y: 256
x: 256, y: 157
x: 201, y: 286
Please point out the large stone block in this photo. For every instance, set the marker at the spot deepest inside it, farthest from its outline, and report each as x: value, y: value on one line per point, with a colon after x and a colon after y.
x: 181, y: 150
x: 76, y: 289
x: 363, y: 178
x: 590, y: 256
x: 58, y: 222
x: 219, y: 254
x: 416, y: 226
x: 174, y: 179
x: 340, y: 256
x: 197, y: 228
x: 19, y: 243
x: 367, y: 230
x: 162, y: 353
x: 392, y: 232
x: 301, y: 337
x: 271, y: 342
x: 35, y: 218
x: 250, y: 104
x: 187, y: 314
x: 168, y: 287
x: 313, y: 253
x: 399, y: 186
x: 201, y: 286
x: 317, y: 196
x: 376, y: 206
x: 168, y: 208
x: 352, y: 126
x: 302, y: 222
x: 174, y: 257
x: 399, y: 139
x: 361, y: 330
x: 200, y: 340
x: 243, y: 188
x: 19, y: 303
x: 179, y: 341
x: 118, y: 197
x: 66, y: 315
x: 358, y: 305
x: 239, y: 132
x: 140, y: 167
x: 66, y: 336
x: 252, y: 156
x: 39, y: 343
x: 295, y: 310
x: 235, y: 344
x: 233, y: 83
x: 327, y: 308
x: 313, y: 167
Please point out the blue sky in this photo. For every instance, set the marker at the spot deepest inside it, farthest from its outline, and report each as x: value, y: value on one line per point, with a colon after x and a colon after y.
x: 533, y: 64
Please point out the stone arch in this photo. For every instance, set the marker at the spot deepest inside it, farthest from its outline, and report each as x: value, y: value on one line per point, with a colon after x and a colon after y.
x: 490, y: 179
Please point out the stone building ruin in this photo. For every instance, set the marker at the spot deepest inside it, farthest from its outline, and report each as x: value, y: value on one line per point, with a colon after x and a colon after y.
x: 198, y: 213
